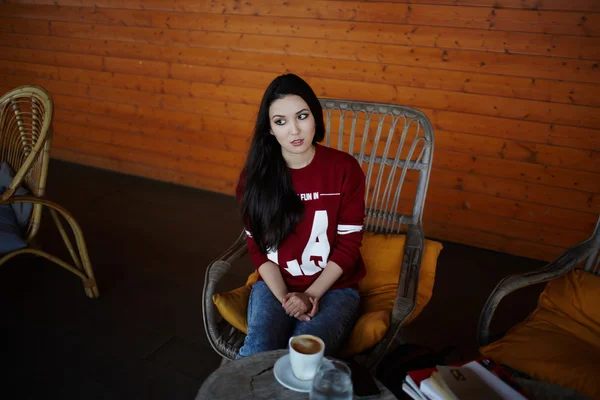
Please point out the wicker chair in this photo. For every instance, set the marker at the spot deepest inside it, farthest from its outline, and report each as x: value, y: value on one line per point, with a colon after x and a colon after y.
x: 583, y: 256
x: 25, y: 138
x: 396, y: 147
x: 587, y: 251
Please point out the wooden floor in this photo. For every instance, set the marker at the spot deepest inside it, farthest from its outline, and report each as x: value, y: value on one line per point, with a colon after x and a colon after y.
x: 143, y: 338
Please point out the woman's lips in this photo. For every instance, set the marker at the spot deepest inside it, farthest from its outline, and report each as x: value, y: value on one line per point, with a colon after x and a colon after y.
x: 298, y: 142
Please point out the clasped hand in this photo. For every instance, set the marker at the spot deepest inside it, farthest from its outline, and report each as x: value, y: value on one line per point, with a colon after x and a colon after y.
x: 300, y: 305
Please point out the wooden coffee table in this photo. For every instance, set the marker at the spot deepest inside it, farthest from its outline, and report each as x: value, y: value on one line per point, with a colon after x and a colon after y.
x: 253, y: 378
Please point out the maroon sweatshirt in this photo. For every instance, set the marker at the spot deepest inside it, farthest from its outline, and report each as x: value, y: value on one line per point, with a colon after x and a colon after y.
x: 332, y: 188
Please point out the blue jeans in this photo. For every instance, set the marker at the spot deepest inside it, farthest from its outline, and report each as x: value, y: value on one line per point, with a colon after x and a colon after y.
x: 269, y: 327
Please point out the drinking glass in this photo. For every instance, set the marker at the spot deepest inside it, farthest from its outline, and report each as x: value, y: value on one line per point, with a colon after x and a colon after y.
x: 332, y: 382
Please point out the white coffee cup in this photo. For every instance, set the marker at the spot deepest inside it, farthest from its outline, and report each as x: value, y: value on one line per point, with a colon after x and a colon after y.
x: 306, y: 354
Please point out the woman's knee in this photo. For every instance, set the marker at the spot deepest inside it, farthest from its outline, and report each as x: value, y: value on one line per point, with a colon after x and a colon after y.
x: 269, y: 326
x: 266, y: 338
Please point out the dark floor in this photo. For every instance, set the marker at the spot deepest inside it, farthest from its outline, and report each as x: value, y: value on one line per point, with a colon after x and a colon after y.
x: 143, y: 338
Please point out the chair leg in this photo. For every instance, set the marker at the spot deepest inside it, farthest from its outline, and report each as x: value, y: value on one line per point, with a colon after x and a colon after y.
x: 65, y: 238
x: 81, y: 260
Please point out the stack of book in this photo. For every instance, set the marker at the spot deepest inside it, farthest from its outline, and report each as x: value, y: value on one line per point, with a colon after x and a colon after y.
x: 479, y: 379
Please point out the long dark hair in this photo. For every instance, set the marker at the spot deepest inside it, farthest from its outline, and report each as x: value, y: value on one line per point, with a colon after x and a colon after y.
x: 269, y: 203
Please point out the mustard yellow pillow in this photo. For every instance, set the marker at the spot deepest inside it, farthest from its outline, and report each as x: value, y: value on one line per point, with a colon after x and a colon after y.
x: 560, y: 341
x: 233, y: 305
x: 368, y: 331
x: 382, y: 255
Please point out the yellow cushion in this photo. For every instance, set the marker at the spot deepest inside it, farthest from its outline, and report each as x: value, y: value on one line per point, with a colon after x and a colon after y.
x: 382, y: 255
x: 233, y: 305
x: 368, y: 331
x: 560, y: 341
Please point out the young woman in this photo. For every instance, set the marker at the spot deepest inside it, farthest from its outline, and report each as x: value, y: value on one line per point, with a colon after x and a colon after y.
x: 303, y: 205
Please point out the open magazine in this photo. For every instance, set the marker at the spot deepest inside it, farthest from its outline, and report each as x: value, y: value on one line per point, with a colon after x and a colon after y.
x: 479, y: 379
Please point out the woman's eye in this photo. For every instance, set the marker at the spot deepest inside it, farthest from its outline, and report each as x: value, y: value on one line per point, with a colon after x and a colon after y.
x: 303, y: 116
x: 280, y: 122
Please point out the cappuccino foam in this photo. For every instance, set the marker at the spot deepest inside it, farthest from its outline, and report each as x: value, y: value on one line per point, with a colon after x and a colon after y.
x: 306, y: 345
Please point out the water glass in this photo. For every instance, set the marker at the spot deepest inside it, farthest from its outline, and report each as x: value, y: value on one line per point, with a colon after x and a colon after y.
x: 332, y: 382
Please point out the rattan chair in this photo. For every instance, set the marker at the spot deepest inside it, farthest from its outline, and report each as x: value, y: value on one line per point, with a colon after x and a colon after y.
x: 584, y: 256
x: 25, y: 138
x: 394, y: 144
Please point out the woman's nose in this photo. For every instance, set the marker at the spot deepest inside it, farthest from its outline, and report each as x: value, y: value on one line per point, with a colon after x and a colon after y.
x: 294, y: 128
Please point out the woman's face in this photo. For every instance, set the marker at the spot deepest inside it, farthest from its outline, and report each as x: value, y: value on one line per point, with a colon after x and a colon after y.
x: 292, y: 124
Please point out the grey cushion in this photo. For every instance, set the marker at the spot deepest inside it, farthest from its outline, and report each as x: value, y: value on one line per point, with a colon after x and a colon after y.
x: 13, y: 218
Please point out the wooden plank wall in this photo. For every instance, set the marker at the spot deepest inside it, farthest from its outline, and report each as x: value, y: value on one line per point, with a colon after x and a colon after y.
x: 168, y: 90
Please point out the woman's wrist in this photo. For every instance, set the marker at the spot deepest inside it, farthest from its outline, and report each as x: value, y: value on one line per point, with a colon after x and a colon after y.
x: 282, y: 296
x: 313, y: 293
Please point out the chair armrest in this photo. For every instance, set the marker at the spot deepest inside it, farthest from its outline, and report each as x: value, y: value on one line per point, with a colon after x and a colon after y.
x: 41, y: 201
x: 215, y: 271
x: 37, y: 200
x: 406, y: 295
x: 563, y: 264
x: 408, y: 282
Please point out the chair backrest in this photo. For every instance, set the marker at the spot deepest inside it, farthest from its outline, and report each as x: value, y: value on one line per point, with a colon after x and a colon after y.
x: 592, y: 264
x: 394, y: 145
x: 25, y: 137
x: 25, y: 131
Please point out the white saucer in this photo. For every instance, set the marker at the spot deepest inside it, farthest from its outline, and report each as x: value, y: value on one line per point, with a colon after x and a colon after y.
x: 284, y: 375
